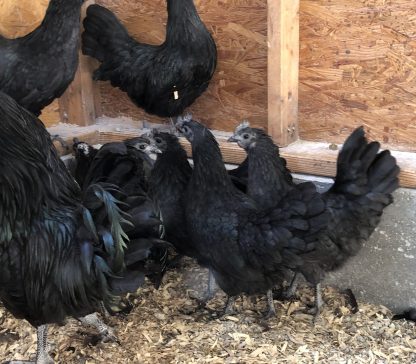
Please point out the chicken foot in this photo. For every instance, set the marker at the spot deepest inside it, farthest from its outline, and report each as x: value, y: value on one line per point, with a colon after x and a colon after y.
x: 42, y: 356
x: 106, y: 332
x: 289, y: 294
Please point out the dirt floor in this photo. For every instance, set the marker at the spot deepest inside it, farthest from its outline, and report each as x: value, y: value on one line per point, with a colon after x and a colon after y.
x: 163, y: 327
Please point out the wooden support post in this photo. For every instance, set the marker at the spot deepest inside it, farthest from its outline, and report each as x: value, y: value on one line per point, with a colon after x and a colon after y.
x: 283, y: 70
x: 80, y: 103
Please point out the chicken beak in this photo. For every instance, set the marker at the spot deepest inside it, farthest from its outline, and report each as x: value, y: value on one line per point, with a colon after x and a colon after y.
x: 232, y: 139
x: 152, y: 149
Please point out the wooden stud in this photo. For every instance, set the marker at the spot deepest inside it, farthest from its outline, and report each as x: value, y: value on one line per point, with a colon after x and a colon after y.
x: 80, y: 102
x: 283, y: 70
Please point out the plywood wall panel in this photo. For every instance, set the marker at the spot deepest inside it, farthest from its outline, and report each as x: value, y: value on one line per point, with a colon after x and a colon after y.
x: 358, y: 67
x: 239, y: 87
x: 18, y: 18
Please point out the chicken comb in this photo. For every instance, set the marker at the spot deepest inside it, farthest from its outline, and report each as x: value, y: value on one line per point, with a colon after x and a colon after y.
x: 244, y: 124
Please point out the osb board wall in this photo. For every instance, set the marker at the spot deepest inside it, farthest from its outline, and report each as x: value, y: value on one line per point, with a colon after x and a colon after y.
x: 239, y: 88
x: 358, y: 67
x: 18, y: 18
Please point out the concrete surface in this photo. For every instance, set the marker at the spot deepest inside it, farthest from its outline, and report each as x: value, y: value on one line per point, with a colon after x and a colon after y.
x: 384, y: 271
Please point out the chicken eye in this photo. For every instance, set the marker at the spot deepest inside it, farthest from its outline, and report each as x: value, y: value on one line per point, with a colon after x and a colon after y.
x: 158, y: 140
x: 142, y: 146
x: 245, y: 136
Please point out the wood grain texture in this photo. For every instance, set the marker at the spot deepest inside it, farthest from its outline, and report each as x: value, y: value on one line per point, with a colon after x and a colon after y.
x: 18, y: 18
x: 80, y: 102
x: 50, y: 115
x: 283, y: 70
x: 239, y: 87
x: 358, y: 67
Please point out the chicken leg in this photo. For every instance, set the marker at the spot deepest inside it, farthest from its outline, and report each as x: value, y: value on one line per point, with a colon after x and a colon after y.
x: 106, y: 332
x: 42, y: 356
x: 316, y: 309
x: 272, y: 311
x: 211, y: 286
x: 229, y: 307
x: 288, y: 294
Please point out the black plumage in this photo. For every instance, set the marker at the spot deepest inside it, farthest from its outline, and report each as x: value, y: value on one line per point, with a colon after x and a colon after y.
x: 167, y: 186
x: 164, y: 79
x: 268, y: 179
x: 62, y: 251
x: 37, y: 68
x: 248, y: 250
x: 127, y: 166
x: 409, y: 315
x: 363, y: 186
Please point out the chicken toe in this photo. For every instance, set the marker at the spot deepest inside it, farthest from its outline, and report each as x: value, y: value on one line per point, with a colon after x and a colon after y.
x: 106, y: 332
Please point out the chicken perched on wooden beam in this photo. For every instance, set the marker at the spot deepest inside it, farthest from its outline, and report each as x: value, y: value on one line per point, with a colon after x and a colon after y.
x: 164, y: 79
x: 37, y: 68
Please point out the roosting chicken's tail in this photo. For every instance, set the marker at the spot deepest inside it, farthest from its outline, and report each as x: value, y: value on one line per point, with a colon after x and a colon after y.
x: 366, y: 175
x: 104, y: 38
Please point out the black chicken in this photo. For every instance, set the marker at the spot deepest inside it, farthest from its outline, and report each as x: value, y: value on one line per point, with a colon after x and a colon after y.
x: 165, y: 79
x: 61, y: 251
x: 127, y: 165
x: 118, y: 162
x: 247, y: 249
x: 363, y: 186
x: 167, y: 186
x: 37, y: 68
x: 265, y: 188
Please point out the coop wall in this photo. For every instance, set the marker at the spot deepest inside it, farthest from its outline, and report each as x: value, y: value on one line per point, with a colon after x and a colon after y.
x: 358, y: 67
x: 357, y: 64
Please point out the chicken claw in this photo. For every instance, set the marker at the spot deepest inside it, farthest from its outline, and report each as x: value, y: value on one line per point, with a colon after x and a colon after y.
x: 106, y: 332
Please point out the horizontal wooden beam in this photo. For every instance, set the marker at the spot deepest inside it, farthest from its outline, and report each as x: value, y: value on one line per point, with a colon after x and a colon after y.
x: 302, y: 157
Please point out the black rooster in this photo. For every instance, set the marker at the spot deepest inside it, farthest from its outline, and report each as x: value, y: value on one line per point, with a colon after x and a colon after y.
x: 61, y: 251
x: 363, y: 186
x: 247, y: 249
x: 165, y: 79
x: 37, y: 68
